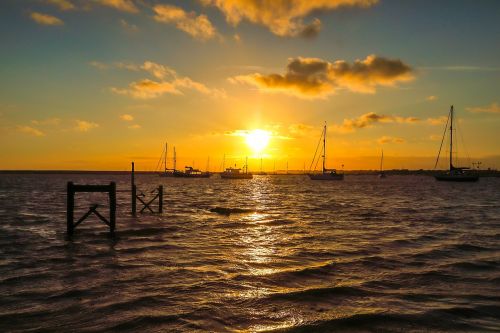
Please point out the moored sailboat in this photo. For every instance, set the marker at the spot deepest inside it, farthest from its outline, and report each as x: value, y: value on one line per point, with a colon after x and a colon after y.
x: 326, y: 174
x: 454, y: 174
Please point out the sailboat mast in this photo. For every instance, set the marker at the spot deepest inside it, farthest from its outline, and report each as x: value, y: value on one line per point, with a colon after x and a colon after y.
x: 451, y: 138
x: 324, y: 147
x: 166, y: 152
x: 246, y: 164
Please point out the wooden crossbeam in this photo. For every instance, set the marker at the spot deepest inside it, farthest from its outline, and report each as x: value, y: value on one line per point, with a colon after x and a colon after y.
x: 72, y: 189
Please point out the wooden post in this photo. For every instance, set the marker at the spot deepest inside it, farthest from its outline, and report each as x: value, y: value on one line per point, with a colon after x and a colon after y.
x: 134, y: 192
x: 160, y: 199
x: 112, y: 207
x: 70, y: 206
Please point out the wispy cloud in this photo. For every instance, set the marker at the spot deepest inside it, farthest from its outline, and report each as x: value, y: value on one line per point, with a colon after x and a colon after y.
x: 122, y: 5
x: 437, y: 121
x: 85, y: 126
x: 492, y: 108
x: 431, y: 98
x: 281, y: 17
x: 390, y: 139
x: 369, y: 120
x: 197, y: 26
x: 317, y: 78
x: 128, y: 26
x: 135, y: 126
x: 168, y: 82
x: 45, y: 19
x: 127, y: 117
x: 30, y: 130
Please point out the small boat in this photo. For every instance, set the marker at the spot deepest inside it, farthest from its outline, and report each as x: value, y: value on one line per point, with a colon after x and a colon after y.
x: 454, y: 174
x: 382, y: 173
x: 234, y: 173
x: 326, y: 174
x: 190, y: 172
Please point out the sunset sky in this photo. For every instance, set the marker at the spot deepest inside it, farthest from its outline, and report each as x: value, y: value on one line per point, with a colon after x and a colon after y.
x: 95, y: 84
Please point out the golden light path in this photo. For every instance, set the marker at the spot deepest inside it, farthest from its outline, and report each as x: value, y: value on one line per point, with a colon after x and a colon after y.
x: 257, y: 140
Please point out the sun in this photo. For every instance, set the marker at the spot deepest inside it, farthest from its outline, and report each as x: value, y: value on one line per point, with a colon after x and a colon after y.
x: 257, y: 140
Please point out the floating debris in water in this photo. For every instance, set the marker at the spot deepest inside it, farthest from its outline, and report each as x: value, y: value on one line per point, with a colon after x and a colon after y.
x: 229, y: 211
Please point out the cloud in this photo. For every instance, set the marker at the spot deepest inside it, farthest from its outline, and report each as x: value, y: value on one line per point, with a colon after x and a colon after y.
x: 127, y: 117
x: 492, y: 108
x: 85, y: 126
x: 198, y: 27
x: 30, y: 130
x: 45, y: 19
x: 282, y: 17
x: 368, y: 120
x: 122, y: 5
x: 169, y: 82
x: 437, y: 121
x: 135, y: 126
x: 390, y: 139
x: 431, y: 98
x: 62, y: 4
x: 128, y: 26
x: 316, y: 78
x: 98, y: 65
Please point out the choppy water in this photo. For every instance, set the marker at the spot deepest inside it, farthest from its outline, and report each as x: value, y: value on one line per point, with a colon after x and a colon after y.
x: 400, y: 254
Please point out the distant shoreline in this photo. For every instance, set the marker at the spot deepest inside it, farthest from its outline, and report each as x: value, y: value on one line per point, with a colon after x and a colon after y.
x: 483, y: 173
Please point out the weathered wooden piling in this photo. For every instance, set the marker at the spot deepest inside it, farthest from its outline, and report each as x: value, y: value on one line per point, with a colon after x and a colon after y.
x: 141, y: 197
x: 160, y: 199
x: 72, y: 189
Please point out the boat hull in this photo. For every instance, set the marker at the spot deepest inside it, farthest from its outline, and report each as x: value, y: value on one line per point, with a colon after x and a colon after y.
x: 457, y: 178
x: 326, y: 176
x: 187, y: 175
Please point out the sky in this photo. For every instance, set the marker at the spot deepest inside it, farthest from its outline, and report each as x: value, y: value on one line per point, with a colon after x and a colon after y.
x: 96, y: 84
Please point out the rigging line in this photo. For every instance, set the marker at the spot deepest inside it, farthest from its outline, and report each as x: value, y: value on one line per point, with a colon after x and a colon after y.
x: 442, y: 140
x: 160, y: 160
x: 314, y: 158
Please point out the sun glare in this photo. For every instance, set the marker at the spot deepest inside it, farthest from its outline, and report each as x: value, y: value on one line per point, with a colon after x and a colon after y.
x: 257, y: 140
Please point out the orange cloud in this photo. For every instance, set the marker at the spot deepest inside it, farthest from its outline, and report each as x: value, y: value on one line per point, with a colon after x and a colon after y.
x: 45, y: 19
x: 30, y: 130
x: 122, y: 5
x: 493, y: 108
x: 198, y: 27
x: 431, y: 98
x: 127, y: 117
x: 437, y: 121
x: 368, y: 120
x: 169, y: 83
x: 316, y: 78
x: 390, y: 139
x: 85, y: 126
x: 282, y: 17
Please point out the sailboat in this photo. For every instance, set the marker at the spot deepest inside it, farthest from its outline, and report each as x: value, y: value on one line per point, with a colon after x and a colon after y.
x: 454, y: 174
x: 382, y: 173
x: 234, y: 173
x: 167, y: 172
x: 326, y: 174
